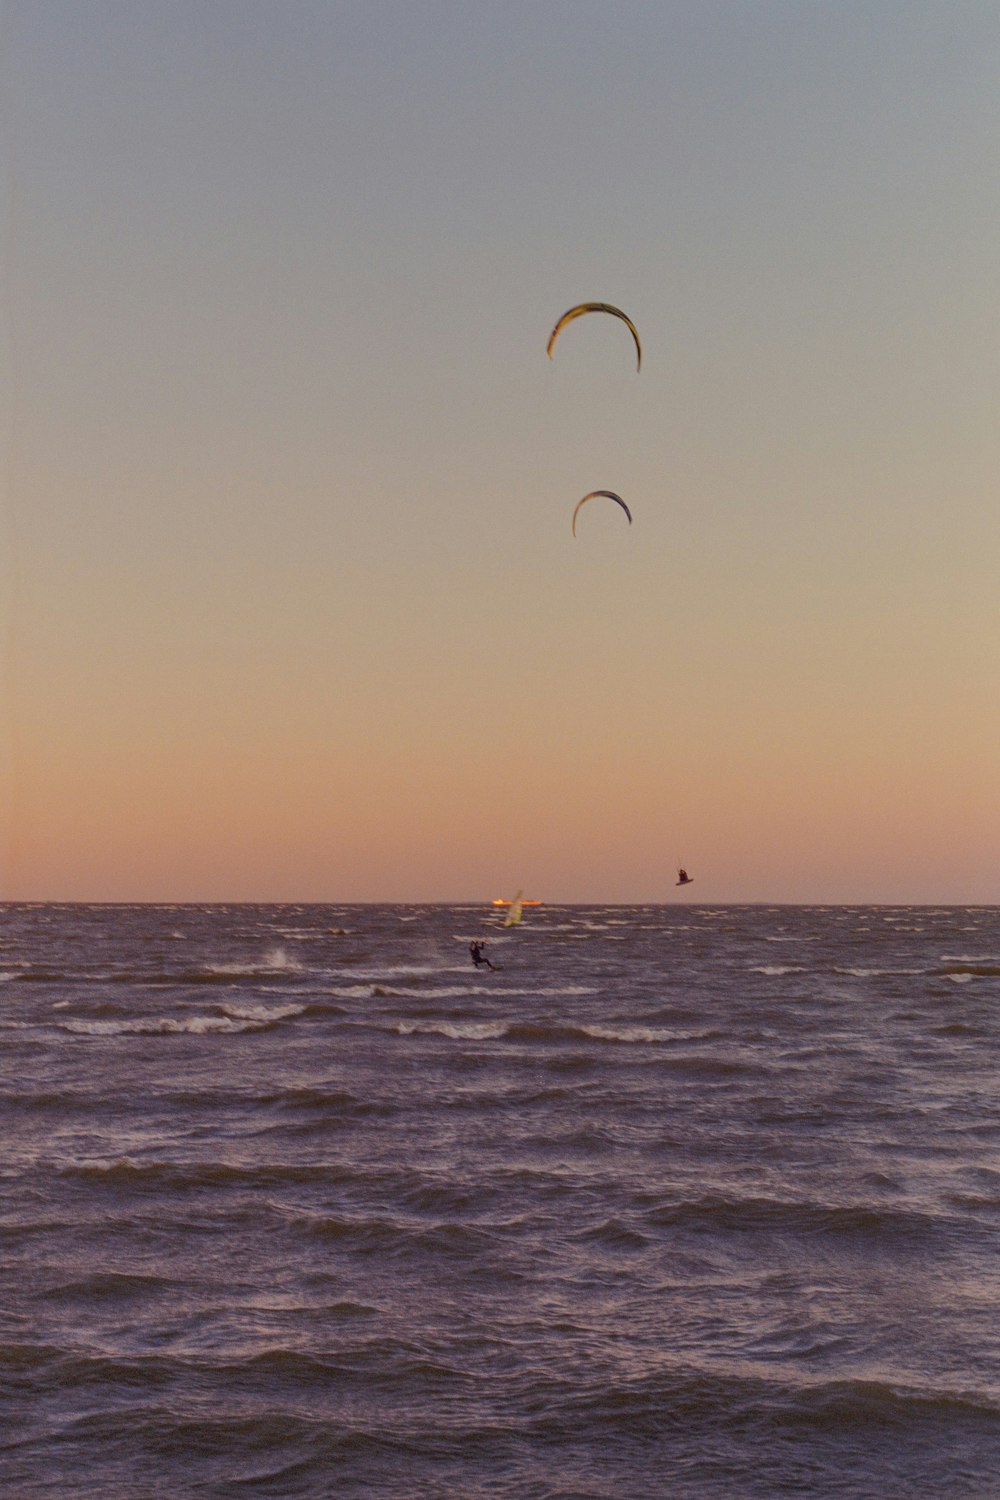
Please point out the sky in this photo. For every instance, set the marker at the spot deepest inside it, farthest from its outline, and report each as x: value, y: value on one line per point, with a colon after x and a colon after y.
x: 292, y: 609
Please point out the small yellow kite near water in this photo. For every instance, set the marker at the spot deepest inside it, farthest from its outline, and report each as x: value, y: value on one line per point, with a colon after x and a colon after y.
x: 514, y: 914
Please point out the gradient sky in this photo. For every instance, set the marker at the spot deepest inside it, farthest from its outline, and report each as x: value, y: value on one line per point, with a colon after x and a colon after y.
x: 292, y: 609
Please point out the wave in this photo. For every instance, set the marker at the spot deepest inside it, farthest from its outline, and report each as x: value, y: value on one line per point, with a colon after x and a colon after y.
x: 42, y: 974
x: 113, y: 1284
x: 714, y: 1067
x: 275, y: 961
x: 774, y: 970
x: 446, y: 992
x: 534, y: 1031
x: 157, y: 1175
x: 407, y: 971
x: 376, y: 1234
x: 963, y: 972
x: 613, y: 1234
x: 272, y: 965
x: 310, y: 934
x: 232, y: 1018
x: 328, y: 1100
x: 563, y: 989
x: 975, y: 1202
x: 628, y: 1033
x: 718, y: 1212
x: 471, y: 1031
x: 264, y: 1013
x: 168, y: 1026
x: 46, y: 1099
x: 862, y: 973
x: 680, y: 1396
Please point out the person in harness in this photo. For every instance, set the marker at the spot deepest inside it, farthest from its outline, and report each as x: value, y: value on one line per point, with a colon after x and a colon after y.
x: 478, y: 956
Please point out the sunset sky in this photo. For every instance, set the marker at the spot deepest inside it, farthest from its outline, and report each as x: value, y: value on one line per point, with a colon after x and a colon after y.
x: 291, y: 605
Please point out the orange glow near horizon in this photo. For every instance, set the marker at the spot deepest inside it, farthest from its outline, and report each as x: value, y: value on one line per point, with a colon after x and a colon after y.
x: 294, y: 610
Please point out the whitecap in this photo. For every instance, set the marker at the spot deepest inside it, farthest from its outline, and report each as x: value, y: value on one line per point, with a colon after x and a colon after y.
x: 275, y: 961
x: 563, y: 989
x: 266, y: 1013
x: 860, y: 973
x: 445, y: 992
x: 628, y: 1033
x: 160, y: 1026
x: 469, y: 1031
x: 410, y: 971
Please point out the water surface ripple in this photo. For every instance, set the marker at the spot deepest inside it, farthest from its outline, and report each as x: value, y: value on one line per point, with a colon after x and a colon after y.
x: 686, y: 1201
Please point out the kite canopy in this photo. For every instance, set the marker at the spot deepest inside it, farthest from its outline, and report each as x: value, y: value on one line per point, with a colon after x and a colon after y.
x: 514, y: 914
x: 608, y: 494
x: 589, y: 307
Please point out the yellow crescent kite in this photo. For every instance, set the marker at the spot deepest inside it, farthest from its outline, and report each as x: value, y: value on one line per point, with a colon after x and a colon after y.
x: 610, y: 494
x: 514, y: 914
x: 588, y: 307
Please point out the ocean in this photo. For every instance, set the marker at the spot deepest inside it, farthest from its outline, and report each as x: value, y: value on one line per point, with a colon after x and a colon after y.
x: 678, y: 1201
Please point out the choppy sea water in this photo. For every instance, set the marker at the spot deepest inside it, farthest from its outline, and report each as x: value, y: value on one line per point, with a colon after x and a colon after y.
x: 678, y: 1201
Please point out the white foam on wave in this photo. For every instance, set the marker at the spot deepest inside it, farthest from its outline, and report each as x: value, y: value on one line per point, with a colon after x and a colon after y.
x: 466, y: 1031
x: 629, y: 1033
x: 266, y: 1013
x: 275, y: 961
x: 453, y: 991
x: 445, y: 992
x: 161, y: 1026
x: 776, y: 969
x: 484, y: 1031
x: 860, y: 973
x: 962, y: 978
x: 563, y: 989
x: 573, y: 928
x: 409, y: 971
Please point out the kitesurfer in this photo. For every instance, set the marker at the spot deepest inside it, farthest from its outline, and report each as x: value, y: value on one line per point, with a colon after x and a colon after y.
x: 683, y: 878
x: 478, y: 956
